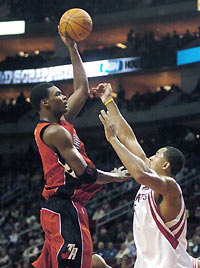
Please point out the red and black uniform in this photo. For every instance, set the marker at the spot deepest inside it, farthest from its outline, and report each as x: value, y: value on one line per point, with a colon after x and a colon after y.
x: 63, y: 217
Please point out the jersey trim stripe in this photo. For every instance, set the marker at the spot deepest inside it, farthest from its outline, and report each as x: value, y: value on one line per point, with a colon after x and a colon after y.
x: 53, y: 212
x: 172, y: 240
x: 194, y: 262
x: 181, y: 230
x: 80, y: 231
x: 179, y: 222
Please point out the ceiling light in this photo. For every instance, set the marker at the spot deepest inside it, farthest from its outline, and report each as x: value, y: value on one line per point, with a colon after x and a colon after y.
x: 121, y: 45
x: 21, y: 53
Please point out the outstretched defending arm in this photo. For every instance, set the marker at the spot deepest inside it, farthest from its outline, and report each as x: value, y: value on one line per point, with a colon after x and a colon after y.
x: 81, y: 89
x: 124, y: 131
x: 138, y: 169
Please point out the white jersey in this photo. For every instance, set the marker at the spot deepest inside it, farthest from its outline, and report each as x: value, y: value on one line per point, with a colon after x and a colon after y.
x: 159, y: 244
x: 194, y: 262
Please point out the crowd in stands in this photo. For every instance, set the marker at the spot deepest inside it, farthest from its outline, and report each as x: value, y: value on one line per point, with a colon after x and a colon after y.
x: 12, y: 111
x: 153, y: 51
x: 16, y: 108
x: 21, y: 237
x: 26, y: 61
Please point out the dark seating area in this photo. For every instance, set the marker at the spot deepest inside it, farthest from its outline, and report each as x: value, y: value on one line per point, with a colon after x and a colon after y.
x: 154, y: 52
x: 16, y: 108
x: 43, y: 11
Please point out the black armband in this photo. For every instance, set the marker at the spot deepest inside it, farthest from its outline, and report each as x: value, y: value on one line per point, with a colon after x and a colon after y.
x: 89, y: 176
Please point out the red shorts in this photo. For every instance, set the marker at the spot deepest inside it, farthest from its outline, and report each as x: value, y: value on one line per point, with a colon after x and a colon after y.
x: 67, y: 237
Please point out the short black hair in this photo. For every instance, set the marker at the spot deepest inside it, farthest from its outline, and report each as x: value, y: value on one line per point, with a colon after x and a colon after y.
x: 176, y: 159
x: 38, y: 93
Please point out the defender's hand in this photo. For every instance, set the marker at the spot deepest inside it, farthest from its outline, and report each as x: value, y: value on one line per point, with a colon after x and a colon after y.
x: 103, y: 91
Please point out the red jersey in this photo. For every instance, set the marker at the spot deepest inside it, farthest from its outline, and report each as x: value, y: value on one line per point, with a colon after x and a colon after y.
x: 57, y: 174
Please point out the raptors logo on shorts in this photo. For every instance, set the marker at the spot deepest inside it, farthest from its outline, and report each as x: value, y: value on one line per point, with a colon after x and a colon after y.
x: 71, y: 252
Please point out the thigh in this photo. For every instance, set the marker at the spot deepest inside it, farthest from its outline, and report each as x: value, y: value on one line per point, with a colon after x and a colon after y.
x: 66, y: 228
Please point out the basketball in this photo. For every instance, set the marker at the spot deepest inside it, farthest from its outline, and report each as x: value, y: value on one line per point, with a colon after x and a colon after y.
x: 77, y: 23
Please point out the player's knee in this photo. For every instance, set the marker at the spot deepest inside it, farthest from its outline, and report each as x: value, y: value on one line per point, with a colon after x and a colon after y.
x: 99, y: 262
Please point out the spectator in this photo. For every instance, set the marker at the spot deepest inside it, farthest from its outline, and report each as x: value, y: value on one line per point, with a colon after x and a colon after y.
x: 4, y: 258
x: 123, y: 251
x: 196, y: 246
x: 99, y: 213
x: 101, y: 249
x: 103, y: 235
x: 13, y: 237
x: 31, y: 252
x: 110, y: 251
x: 129, y: 240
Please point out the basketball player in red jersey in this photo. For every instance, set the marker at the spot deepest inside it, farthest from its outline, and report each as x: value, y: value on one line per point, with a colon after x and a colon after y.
x: 159, y: 210
x: 71, y: 177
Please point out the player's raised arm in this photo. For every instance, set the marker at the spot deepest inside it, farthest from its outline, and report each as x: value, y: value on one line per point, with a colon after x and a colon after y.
x: 124, y: 131
x: 80, y: 81
x: 138, y: 169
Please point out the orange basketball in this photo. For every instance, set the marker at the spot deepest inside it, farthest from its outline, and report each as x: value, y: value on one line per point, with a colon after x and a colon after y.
x: 77, y: 23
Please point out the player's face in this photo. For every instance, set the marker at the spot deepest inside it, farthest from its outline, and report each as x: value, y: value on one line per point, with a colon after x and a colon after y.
x: 157, y: 160
x: 57, y: 101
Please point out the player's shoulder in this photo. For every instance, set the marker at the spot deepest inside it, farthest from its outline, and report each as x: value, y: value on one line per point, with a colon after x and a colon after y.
x: 170, y: 179
x: 173, y: 186
x: 55, y: 131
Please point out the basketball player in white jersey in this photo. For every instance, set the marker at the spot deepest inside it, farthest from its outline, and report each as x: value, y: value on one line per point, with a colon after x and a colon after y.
x: 159, y: 211
x: 195, y: 262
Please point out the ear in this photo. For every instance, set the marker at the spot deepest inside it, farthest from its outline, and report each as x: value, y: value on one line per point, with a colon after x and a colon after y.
x: 166, y: 165
x: 44, y: 102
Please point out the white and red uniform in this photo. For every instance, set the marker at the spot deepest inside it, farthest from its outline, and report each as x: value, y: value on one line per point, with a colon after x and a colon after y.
x: 159, y: 244
x: 194, y: 262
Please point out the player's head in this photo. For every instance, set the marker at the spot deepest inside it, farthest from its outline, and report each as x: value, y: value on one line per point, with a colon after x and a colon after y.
x: 48, y: 97
x: 167, y: 160
x: 39, y: 92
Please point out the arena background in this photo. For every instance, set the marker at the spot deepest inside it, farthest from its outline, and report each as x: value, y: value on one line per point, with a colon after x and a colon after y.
x: 151, y: 52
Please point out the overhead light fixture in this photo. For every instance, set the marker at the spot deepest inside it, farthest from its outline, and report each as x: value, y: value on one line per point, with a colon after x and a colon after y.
x: 167, y: 88
x: 21, y: 53
x: 12, y: 27
x: 121, y: 45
